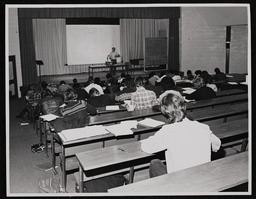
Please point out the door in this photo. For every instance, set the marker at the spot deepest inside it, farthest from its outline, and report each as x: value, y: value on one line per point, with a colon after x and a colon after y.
x: 13, y: 88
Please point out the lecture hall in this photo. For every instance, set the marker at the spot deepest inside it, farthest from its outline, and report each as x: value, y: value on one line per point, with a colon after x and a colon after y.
x: 131, y: 99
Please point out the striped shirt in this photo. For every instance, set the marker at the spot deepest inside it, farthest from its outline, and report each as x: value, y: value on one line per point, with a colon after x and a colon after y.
x: 74, y: 107
x: 143, y: 99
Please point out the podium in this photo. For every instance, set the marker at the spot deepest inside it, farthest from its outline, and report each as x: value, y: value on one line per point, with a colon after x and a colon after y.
x: 39, y: 63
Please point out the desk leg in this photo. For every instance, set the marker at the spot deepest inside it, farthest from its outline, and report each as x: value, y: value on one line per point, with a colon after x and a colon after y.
x: 53, y: 154
x: 81, y: 179
x: 131, y: 175
x: 45, y: 140
x: 244, y: 144
x: 41, y: 133
x: 64, y: 177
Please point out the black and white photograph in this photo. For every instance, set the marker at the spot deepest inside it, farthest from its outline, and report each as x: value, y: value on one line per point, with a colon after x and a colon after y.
x: 128, y: 99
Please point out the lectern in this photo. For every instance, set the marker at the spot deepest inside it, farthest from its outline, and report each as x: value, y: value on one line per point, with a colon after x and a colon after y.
x: 39, y: 63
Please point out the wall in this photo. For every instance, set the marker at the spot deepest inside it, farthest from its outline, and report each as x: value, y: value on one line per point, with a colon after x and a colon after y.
x: 14, y: 44
x: 202, y: 42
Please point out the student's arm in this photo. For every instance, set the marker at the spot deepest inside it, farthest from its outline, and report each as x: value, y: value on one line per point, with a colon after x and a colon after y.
x: 216, y: 143
x: 91, y: 109
x: 192, y: 96
x: 154, y: 143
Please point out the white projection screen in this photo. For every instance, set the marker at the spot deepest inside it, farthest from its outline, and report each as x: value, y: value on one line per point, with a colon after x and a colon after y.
x: 90, y: 44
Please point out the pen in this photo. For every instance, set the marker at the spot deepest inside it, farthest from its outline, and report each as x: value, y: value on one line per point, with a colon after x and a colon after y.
x: 120, y: 149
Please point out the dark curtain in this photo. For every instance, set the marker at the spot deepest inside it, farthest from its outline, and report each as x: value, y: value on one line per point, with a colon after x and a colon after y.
x: 27, y: 51
x: 173, y: 57
x: 135, y: 12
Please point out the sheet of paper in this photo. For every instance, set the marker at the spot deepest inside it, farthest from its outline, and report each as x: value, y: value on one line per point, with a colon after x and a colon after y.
x: 124, y: 128
x: 232, y: 83
x: 229, y: 76
x: 113, y: 107
x: 85, y: 132
x: 49, y: 117
x: 150, y: 122
x: 188, y: 90
x: 244, y: 83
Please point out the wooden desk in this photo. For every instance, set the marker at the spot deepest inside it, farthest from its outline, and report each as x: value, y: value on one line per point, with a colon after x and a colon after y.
x: 104, y: 66
x: 230, y: 92
x: 103, y: 110
x: 96, y: 162
x: 216, y: 113
x: 214, y: 176
x: 134, y: 115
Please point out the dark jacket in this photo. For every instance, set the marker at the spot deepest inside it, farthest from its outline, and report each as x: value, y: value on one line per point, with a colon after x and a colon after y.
x: 202, y: 93
x: 100, y: 101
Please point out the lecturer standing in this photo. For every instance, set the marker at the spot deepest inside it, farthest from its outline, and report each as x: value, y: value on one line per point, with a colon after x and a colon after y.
x: 113, y: 55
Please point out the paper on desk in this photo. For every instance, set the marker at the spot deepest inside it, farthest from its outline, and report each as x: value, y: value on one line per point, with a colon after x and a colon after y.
x: 244, y: 83
x: 188, y: 90
x: 150, y: 122
x: 49, y: 117
x: 79, y: 133
x: 124, y: 128
x: 229, y: 76
x: 232, y: 83
x: 113, y: 107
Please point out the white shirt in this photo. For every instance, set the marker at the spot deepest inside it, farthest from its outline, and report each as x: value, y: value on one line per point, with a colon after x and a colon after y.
x: 113, y: 55
x: 187, y: 143
x: 92, y: 85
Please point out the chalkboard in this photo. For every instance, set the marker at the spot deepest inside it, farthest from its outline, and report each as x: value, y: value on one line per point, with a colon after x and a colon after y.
x: 155, y: 51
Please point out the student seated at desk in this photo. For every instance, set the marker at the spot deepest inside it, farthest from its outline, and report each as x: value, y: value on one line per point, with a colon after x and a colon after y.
x: 126, y: 91
x: 98, y: 100
x: 202, y: 91
x: 142, y: 98
x: 74, y: 112
x: 187, y: 143
x: 208, y: 80
x: 219, y: 76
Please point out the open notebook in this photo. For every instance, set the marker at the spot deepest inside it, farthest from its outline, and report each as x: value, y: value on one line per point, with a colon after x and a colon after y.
x: 124, y: 128
x: 79, y: 133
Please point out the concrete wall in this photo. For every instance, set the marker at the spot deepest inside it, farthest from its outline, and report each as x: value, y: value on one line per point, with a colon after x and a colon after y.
x: 14, y: 44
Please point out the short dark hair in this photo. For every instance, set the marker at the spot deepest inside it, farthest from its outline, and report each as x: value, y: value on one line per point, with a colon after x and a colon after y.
x: 93, y: 92
x: 217, y: 70
x: 62, y: 82
x: 139, y: 81
x: 97, y: 80
x: 74, y: 80
x: 69, y: 95
x: 173, y: 108
x: 189, y: 72
x: 167, y: 83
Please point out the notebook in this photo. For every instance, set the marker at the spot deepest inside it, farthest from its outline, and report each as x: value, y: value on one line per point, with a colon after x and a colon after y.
x: 148, y: 122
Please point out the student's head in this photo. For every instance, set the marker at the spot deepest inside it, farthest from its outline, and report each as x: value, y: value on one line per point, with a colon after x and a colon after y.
x: 189, y: 72
x: 44, y: 85
x: 123, y: 75
x: 69, y: 95
x: 151, y: 74
x: 139, y: 81
x: 167, y: 83
x: 108, y: 76
x: 113, y: 49
x: 173, y: 107
x: 94, y: 92
x: 198, y: 72
x: 97, y: 80
x: 62, y: 82
x: 125, y: 83
x: 90, y: 79
x: 199, y: 82
x: 74, y: 80
x: 217, y: 70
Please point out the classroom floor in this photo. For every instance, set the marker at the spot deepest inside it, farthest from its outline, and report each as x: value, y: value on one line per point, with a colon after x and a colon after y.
x: 23, y: 176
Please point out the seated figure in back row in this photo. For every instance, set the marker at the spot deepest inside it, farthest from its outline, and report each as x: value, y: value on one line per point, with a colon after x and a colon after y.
x: 187, y: 143
x: 142, y: 98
